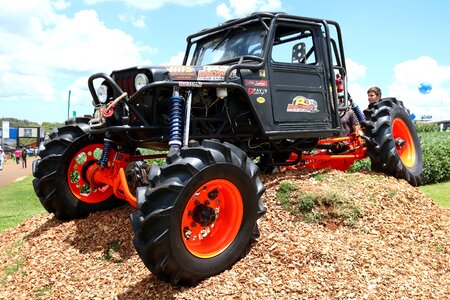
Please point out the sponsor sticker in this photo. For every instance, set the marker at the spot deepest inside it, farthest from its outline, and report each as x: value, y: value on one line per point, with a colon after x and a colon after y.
x: 260, y: 100
x: 302, y: 104
x: 251, y: 82
x: 190, y: 84
x: 182, y: 73
x: 214, y: 73
x: 256, y: 91
x: 262, y: 73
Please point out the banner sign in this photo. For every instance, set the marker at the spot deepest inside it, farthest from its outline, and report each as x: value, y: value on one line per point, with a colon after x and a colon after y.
x: 28, y: 132
x: 5, y: 129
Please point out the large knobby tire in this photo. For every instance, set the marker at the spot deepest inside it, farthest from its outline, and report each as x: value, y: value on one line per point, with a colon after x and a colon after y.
x: 396, y: 149
x: 59, y: 180
x: 199, y: 213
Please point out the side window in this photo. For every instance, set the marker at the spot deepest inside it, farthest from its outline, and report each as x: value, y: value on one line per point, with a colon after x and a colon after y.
x: 293, y: 45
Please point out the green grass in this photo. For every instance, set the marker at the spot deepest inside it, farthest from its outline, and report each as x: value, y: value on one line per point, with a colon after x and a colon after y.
x: 40, y: 292
x: 439, y: 192
x: 17, y: 203
x: 112, y: 248
x: 313, y: 208
x: 15, y: 267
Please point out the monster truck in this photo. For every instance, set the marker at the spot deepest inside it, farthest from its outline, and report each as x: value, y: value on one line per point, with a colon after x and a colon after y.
x: 256, y: 93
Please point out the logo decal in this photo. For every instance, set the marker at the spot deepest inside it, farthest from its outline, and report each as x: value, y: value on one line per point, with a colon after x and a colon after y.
x: 260, y: 100
x: 214, y: 73
x: 302, y: 104
x: 256, y: 91
x: 190, y: 84
x: 250, y: 82
x: 262, y: 73
x: 182, y: 73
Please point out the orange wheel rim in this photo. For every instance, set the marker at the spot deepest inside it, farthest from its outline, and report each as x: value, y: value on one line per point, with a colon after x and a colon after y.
x: 212, y: 218
x: 78, y: 185
x: 404, y: 142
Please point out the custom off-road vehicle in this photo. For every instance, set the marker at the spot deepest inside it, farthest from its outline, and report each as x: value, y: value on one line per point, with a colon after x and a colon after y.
x: 257, y: 93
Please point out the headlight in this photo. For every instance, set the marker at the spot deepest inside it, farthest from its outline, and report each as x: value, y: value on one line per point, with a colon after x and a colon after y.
x: 102, y: 93
x: 140, y: 80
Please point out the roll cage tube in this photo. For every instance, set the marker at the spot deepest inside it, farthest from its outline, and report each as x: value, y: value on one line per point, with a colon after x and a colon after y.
x: 108, y: 79
x: 117, y: 89
x: 274, y: 17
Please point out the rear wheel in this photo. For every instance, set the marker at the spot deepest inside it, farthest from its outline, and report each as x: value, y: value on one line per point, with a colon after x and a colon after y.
x: 199, y: 213
x: 59, y: 179
x: 396, y: 150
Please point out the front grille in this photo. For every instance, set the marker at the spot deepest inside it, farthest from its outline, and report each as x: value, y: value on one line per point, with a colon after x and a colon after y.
x: 126, y: 84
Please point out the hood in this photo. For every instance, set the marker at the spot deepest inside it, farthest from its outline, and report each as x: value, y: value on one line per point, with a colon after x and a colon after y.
x: 176, y: 73
x: 198, y: 73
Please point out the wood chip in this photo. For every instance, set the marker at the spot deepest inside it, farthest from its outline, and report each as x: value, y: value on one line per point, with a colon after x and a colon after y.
x: 400, y: 249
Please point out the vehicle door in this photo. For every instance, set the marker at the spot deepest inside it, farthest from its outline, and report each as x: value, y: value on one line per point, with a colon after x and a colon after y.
x: 298, y: 77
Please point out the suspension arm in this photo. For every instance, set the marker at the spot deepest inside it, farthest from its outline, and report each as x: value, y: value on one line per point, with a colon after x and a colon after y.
x: 112, y: 175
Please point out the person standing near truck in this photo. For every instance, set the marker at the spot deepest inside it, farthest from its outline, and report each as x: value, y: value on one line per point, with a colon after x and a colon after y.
x: 2, y: 158
x: 373, y: 94
x: 24, y: 157
x: 17, y: 155
x: 349, y: 120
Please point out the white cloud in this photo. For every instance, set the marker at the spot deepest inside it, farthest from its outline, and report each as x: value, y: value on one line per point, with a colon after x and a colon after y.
x: 355, y: 70
x: 26, y: 86
x: 139, y: 22
x: 409, y: 75
x: 152, y: 5
x: 44, y: 53
x: 424, y: 68
x: 60, y: 4
x: 174, y: 60
x: 223, y: 11
x: 136, y: 21
x: 239, y: 8
x: 44, y: 46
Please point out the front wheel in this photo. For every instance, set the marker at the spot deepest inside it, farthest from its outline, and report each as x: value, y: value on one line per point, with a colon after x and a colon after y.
x: 60, y: 181
x: 396, y: 150
x: 199, y: 213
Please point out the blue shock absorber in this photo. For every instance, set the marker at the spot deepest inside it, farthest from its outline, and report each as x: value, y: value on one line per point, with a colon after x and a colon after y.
x: 358, y: 113
x: 107, y: 144
x: 176, y: 121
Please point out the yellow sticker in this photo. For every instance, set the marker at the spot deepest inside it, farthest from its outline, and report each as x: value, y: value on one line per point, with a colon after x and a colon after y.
x: 260, y: 100
x: 262, y: 73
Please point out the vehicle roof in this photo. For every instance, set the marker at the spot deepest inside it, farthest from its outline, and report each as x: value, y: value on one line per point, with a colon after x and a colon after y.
x: 256, y: 17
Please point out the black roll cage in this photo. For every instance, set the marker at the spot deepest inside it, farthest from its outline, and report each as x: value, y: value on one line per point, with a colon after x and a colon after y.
x: 272, y: 19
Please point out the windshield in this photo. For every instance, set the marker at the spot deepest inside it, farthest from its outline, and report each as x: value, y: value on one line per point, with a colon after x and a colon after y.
x: 229, y: 45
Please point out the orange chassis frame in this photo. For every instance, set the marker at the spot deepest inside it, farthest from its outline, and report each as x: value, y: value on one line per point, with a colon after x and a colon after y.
x: 113, y: 175
x: 322, y: 158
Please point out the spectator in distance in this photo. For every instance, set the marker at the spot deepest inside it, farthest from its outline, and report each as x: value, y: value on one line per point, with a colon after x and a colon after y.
x: 17, y: 154
x: 24, y: 157
x: 2, y: 158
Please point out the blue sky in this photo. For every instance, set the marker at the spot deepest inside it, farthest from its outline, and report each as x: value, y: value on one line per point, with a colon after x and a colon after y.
x: 50, y: 47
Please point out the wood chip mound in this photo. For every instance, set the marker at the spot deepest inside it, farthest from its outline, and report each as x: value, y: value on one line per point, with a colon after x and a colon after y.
x: 399, y: 249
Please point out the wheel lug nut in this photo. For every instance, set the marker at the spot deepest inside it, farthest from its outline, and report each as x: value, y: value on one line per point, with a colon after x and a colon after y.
x: 213, y: 194
x: 207, y: 202
x: 190, y: 213
x: 193, y: 224
x: 197, y: 202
